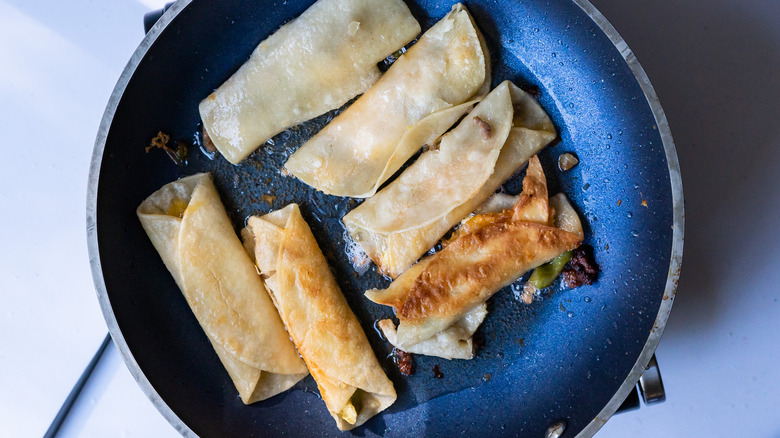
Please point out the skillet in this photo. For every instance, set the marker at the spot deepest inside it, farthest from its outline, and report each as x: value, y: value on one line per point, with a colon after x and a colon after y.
x: 571, y: 357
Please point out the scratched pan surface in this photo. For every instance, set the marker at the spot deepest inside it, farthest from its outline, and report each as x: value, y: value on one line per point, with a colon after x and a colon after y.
x: 565, y: 357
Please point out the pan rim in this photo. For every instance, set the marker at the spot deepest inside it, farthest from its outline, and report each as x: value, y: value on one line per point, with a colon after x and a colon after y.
x: 678, y: 222
x: 92, y: 237
x: 662, y: 125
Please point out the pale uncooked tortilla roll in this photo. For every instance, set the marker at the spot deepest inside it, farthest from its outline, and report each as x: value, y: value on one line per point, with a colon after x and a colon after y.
x: 488, y: 251
x: 311, y: 65
x: 455, y: 342
x: 445, y: 177
x: 421, y: 96
x: 188, y: 226
x: 328, y: 335
x: 404, y: 220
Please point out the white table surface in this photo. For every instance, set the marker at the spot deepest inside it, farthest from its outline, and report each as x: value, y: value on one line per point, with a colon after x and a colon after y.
x: 714, y: 65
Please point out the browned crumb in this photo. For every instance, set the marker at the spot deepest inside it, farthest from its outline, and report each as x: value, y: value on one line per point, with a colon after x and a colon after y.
x: 582, y: 268
x: 268, y: 198
x: 644, y: 203
x: 437, y: 373
x: 529, y: 290
x: 486, y: 377
x: 522, y: 342
x: 484, y: 126
x: 404, y: 362
x: 620, y: 201
x: 160, y: 141
x: 567, y: 161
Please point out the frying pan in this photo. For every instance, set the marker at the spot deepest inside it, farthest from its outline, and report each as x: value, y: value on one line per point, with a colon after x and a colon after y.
x: 570, y: 358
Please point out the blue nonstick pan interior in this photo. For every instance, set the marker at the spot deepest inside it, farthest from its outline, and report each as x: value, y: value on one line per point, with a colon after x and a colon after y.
x: 560, y: 358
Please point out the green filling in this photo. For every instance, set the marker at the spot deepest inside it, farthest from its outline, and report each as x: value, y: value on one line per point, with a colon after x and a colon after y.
x: 544, y: 275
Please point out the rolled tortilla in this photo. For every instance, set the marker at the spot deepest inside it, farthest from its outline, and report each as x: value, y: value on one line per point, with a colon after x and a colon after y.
x: 326, y: 332
x: 488, y: 252
x: 311, y: 65
x: 404, y: 220
x: 421, y: 96
x: 188, y: 226
x: 453, y: 343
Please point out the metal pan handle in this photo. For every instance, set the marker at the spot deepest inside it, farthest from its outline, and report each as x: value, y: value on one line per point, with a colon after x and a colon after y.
x: 650, y: 386
x: 151, y: 17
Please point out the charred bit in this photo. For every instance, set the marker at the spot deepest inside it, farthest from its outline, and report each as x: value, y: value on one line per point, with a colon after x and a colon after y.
x: 404, y: 361
x: 582, y: 268
x: 177, y: 155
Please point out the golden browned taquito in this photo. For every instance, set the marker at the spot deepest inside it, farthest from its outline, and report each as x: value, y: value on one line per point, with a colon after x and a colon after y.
x: 311, y: 65
x: 421, y: 96
x: 188, y: 226
x: 404, y: 220
x: 488, y: 251
x: 318, y: 318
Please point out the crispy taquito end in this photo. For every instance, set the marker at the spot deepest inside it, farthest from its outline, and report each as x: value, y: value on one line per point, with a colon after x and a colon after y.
x: 490, y: 251
x: 403, y: 221
x: 188, y: 226
x: 419, y: 98
x: 318, y: 318
x: 562, y: 213
x: 531, y: 205
x: 453, y: 343
x: 311, y: 65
